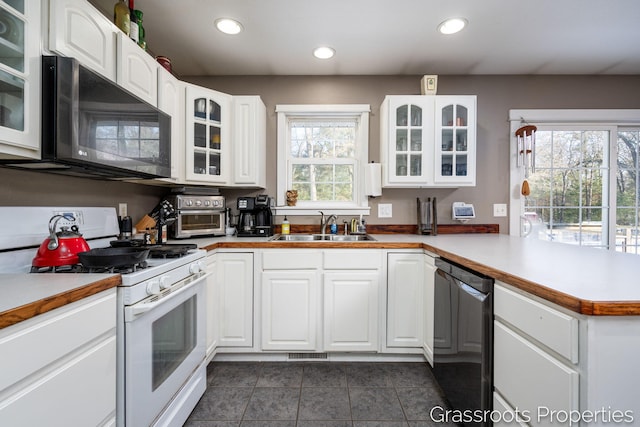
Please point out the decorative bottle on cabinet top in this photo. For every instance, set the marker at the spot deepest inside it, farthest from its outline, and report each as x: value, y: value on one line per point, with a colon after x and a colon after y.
x: 141, y: 36
x: 121, y: 16
x: 133, y: 26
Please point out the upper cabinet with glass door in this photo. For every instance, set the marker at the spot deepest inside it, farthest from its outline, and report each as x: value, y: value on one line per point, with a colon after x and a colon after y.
x: 428, y: 140
x: 407, y: 139
x: 455, y: 147
x: 20, y: 78
x: 208, y: 121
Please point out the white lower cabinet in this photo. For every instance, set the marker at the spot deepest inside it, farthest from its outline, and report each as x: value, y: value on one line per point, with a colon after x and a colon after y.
x: 212, y: 295
x: 314, y: 300
x: 59, y: 368
x: 234, y: 272
x: 290, y: 304
x: 428, y: 307
x: 351, y: 310
x: 532, y: 371
x: 405, y: 289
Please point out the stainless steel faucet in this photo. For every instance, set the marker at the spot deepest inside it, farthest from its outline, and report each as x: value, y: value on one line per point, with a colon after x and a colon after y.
x: 323, y: 222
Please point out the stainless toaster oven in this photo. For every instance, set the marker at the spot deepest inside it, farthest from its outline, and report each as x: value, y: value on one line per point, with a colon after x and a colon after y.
x: 198, y: 215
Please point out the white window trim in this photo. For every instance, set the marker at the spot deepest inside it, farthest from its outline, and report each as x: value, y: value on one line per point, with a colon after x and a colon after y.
x: 284, y: 112
x: 560, y: 117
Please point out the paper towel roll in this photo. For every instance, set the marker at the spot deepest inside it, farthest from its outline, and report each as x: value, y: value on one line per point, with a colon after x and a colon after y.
x: 373, y: 179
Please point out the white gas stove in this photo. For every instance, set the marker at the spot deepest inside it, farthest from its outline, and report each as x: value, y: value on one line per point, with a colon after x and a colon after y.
x: 161, y: 305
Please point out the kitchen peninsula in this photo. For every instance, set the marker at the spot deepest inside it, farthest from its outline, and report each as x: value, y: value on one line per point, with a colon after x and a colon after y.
x: 572, y: 312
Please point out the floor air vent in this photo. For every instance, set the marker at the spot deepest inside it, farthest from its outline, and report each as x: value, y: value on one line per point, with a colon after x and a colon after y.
x: 299, y: 356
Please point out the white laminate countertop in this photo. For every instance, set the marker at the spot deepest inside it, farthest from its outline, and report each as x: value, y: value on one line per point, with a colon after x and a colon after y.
x: 583, y: 279
x: 21, y: 289
x: 24, y: 295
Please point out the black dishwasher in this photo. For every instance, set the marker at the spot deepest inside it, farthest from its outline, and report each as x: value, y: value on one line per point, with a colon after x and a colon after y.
x: 463, y: 341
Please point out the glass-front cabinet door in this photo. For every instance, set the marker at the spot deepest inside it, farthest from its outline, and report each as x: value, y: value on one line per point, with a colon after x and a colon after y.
x: 207, y: 135
x: 455, y: 140
x: 19, y: 78
x: 407, y: 125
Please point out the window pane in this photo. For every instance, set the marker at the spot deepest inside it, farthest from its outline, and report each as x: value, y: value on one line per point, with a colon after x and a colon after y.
x: 322, y: 158
x: 322, y: 140
x: 569, y: 187
x: 627, y: 212
x: 323, y: 182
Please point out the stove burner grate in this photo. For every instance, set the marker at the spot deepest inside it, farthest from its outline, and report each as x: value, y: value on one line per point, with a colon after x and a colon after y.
x: 79, y: 268
x: 74, y: 268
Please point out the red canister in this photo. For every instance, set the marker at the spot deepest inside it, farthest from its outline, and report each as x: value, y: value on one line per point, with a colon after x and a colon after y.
x: 165, y: 62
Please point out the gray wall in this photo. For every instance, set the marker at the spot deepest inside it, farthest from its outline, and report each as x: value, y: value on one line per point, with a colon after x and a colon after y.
x: 496, y: 95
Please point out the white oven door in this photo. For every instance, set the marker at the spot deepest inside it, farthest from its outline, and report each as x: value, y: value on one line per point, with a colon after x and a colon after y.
x: 164, y: 344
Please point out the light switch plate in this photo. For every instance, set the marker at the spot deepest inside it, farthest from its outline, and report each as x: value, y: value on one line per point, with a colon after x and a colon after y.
x: 385, y: 210
x: 499, y: 209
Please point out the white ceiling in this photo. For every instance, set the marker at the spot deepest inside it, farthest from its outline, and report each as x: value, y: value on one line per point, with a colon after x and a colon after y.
x: 388, y: 37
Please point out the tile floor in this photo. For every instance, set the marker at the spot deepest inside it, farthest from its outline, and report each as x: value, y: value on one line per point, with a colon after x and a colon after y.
x: 317, y: 394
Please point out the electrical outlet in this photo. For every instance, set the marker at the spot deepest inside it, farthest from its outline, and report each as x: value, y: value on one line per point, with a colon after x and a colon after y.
x: 385, y: 210
x: 499, y: 209
x: 122, y: 209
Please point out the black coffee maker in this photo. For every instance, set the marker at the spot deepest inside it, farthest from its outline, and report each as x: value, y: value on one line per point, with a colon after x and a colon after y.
x: 256, y: 219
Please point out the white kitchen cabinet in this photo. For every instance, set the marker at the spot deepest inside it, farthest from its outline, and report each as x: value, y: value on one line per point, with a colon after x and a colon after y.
x: 208, y: 141
x: 538, y: 355
x: 351, y: 310
x: 406, y: 140
x: 351, y: 286
x: 71, y: 378
x: 171, y: 96
x: 20, y: 70
x: 249, y: 146
x: 417, y: 144
x: 455, y: 141
x: 428, y: 307
x: 291, y: 300
x: 212, y: 295
x: 321, y: 300
x: 290, y: 305
x: 78, y: 30
x: 136, y: 70
x: 234, y: 272
x: 405, y: 289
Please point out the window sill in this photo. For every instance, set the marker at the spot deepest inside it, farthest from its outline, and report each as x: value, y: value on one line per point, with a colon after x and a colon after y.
x: 307, y: 211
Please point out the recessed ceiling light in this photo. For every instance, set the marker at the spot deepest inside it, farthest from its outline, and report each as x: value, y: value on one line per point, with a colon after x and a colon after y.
x: 323, y: 52
x: 452, y: 26
x: 228, y: 25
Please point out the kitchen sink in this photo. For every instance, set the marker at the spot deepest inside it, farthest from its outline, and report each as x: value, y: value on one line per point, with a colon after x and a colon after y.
x: 322, y: 238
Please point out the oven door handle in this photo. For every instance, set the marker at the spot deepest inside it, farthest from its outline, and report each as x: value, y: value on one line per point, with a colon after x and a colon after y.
x: 130, y: 313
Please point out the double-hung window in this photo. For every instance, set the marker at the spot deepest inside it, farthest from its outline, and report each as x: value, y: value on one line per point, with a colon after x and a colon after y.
x: 584, y: 187
x: 322, y: 150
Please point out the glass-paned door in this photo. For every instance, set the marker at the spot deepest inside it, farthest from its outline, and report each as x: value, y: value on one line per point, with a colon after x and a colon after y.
x: 13, y: 76
x: 207, y: 144
x: 454, y: 141
x: 408, y: 154
x: 569, y: 200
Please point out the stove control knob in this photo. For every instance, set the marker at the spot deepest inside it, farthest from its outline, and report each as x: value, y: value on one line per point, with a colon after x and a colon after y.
x: 198, y: 202
x: 164, y: 282
x: 207, y: 202
x: 153, y: 287
x: 194, y: 268
x: 189, y: 202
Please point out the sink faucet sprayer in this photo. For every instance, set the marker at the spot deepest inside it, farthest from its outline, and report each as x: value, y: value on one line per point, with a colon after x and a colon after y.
x: 323, y: 222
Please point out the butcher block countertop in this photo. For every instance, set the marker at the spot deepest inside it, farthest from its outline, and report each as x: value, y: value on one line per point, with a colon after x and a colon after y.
x: 585, y: 280
x: 23, y: 296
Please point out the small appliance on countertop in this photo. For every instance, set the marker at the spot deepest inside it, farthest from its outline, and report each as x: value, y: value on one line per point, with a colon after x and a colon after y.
x: 200, y: 212
x: 256, y: 218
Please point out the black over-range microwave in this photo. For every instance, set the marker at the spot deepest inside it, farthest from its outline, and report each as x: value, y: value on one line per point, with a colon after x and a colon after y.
x: 92, y: 127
